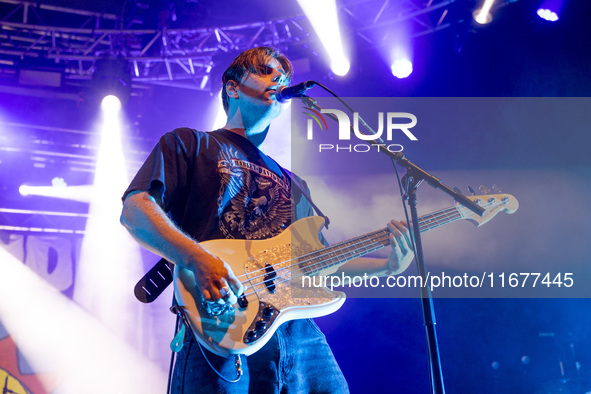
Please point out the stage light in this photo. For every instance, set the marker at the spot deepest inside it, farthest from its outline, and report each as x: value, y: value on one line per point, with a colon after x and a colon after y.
x: 24, y: 190
x: 401, y: 68
x: 68, y: 349
x: 483, y: 15
x: 111, y: 104
x: 340, y: 66
x: 324, y: 19
x: 401, y: 52
x: 58, y: 182
x: 550, y: 10
x: 80, y: 193
x: 110, y: 261
x: 547, y: 14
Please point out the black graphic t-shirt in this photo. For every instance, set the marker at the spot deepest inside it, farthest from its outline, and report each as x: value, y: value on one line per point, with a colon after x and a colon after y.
x: 219, y: 185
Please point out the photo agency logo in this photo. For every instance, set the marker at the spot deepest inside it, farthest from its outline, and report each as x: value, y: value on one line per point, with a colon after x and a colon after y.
x: 396, y: 125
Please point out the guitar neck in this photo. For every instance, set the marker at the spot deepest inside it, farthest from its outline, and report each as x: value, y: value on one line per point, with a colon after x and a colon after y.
x: 345, y: 251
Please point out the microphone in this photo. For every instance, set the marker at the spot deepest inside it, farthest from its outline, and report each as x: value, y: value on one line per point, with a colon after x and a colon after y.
x: 285, y: 93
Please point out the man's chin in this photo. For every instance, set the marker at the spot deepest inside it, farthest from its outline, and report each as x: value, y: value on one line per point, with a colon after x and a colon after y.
x: 274, y: 108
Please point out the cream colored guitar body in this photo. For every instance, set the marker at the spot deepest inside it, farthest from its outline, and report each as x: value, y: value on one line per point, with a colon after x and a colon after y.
x: 225, y: 334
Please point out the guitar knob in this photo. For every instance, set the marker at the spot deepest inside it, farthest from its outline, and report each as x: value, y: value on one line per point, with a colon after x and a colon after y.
x: 260, y: 325
x: 251, y: 335
x: 268, y: 312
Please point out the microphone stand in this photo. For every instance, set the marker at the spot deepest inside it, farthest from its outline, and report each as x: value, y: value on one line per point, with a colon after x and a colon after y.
x: 413, y: 177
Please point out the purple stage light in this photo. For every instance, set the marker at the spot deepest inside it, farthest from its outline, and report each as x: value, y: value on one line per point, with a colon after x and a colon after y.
x: 547, y: 14
x: 111, y: 104
x: 550, y: 9
x: 402, y: 68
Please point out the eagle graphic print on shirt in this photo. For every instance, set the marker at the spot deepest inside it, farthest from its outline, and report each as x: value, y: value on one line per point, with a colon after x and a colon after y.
x: 253, y: 202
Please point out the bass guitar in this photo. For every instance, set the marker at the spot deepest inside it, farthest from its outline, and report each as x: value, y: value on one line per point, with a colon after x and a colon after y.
x: 273, y: 271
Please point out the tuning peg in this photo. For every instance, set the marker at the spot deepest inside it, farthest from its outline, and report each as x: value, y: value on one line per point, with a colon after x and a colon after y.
x: 471, y: 190
x: 496, y: 189
x: 484, y: 190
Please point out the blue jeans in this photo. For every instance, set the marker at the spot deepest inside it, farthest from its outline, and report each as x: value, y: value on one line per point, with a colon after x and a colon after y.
x: 296, y: 359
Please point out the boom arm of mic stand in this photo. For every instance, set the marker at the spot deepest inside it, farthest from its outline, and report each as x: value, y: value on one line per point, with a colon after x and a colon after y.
x: 416, y: 171
x: 435, y: 182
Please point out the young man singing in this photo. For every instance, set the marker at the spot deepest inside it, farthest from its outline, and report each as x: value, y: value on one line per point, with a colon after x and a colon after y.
x: 198, y: 186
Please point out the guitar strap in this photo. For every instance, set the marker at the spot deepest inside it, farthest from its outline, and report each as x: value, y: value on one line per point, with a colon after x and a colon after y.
x: 295, y: 181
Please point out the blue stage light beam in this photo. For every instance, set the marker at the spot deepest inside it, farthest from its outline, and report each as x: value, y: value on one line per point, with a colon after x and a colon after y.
x: 110, y: 261
x: 401, y: 53
x: 324, y: 19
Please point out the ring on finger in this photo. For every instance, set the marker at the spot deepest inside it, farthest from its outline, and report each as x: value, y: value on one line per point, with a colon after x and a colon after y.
x: 224, y: 291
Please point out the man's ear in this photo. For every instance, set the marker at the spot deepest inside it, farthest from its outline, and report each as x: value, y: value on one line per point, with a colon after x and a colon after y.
x: 232, y: 89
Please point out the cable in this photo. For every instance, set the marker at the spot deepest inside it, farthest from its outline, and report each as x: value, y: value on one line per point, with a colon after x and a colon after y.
x: 238, y: 363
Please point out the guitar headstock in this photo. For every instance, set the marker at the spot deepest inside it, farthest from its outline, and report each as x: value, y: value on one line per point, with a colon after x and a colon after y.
x: 493, y: 203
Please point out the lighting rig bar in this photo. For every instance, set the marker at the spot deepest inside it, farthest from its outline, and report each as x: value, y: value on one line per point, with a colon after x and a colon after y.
x: 34, y: 34
x: 164, y: 56
x: 374, y: 25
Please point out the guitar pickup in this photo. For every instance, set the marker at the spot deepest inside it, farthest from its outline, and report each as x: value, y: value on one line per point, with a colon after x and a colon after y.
x: 269, y: 278
x: 242, y: 301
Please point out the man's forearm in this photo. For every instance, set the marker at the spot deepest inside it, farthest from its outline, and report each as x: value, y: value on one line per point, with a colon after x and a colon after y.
x: 153, y: 229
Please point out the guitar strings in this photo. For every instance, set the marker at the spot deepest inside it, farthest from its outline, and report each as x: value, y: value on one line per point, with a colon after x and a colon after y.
x: 280, y: 267
x: 427, y: 222
x: 319, y: 254
x: 376, y: 244
x: 285, y: 276
x: 424, y: 221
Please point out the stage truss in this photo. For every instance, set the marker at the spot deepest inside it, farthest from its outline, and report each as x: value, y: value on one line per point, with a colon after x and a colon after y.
x: 70, y: 41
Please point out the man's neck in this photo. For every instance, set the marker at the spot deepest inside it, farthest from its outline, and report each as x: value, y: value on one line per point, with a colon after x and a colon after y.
x: 255, y: 132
